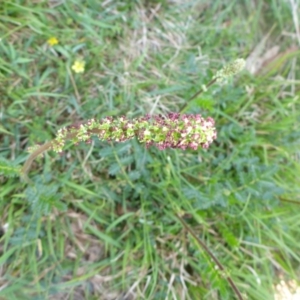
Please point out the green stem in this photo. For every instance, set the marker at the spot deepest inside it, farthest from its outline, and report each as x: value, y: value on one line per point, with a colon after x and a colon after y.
x: 196, y: 95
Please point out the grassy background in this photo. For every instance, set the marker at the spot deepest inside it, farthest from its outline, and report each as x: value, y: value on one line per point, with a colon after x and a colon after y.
x: 99, y: 222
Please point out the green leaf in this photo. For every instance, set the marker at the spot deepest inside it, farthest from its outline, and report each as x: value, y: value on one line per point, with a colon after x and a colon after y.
x: 204, y: 103
x: 8, y: 168
x: 43, y: 197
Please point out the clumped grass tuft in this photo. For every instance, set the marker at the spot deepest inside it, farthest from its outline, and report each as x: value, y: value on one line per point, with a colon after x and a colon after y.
x: 101, y: 220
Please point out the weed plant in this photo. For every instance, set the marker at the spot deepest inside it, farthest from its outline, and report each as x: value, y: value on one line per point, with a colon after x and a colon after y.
x: 109, y: 220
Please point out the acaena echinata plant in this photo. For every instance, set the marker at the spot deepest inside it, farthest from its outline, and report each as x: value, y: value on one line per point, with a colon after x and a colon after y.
x: 176, y: 130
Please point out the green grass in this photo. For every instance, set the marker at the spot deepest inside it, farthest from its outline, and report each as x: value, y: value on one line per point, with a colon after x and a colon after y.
x: 100, y: 220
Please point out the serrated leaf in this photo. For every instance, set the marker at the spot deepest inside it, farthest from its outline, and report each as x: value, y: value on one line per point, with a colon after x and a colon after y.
x: 114, y: 169
x: 43, y: 198
x: 205, y: 103
x: 106, y: 152
x: 8, y: 168
x: 134, y: 175
x: 127, y: 160
x: 228, y: 236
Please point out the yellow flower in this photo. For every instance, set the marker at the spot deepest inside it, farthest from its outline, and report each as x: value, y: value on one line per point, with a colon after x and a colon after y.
x: 78, y: 66
x: 52, y: 41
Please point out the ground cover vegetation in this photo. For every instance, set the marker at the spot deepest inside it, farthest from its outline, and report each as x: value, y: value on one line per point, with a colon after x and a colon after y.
x: 107, y: 220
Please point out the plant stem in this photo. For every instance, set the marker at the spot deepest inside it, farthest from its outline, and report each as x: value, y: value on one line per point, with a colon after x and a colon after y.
x: 206, y: 249
x: 45, y: 147
x: 289, y: 200
x: 196, y: 95
x: 31, y: 158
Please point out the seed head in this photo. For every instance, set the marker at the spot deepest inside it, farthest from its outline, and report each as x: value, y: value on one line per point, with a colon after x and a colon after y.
x: 173, y: 131
x: 230, y: 70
